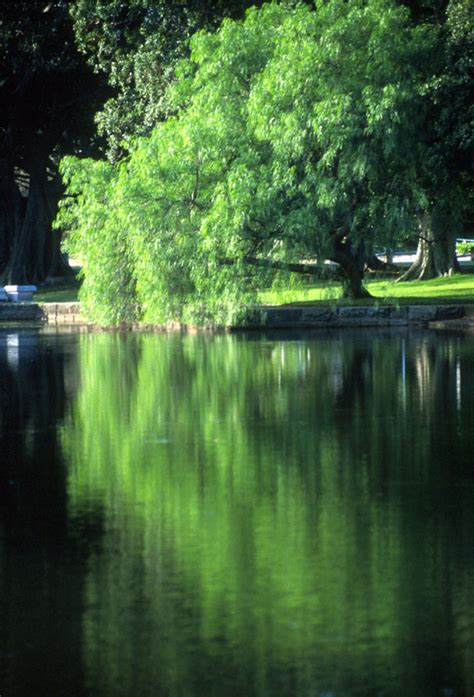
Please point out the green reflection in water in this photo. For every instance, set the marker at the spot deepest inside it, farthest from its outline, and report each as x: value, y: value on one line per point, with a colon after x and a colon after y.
x: 280, y: 517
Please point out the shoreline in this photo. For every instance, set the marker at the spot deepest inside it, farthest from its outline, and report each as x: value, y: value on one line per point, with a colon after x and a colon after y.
x: 436, y: 316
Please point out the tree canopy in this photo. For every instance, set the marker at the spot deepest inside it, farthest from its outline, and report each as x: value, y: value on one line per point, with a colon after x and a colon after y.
x: 137, y: 46
x: 295, y: 136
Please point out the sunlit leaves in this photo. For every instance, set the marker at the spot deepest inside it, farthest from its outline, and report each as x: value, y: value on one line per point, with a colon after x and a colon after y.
x: 289, y: 125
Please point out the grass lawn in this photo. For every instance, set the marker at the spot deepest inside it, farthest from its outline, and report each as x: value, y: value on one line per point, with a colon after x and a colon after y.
x: 455, y: 289
x: 58, y: 293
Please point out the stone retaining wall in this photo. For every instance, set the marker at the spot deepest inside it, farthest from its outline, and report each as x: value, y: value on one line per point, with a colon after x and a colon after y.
x: 62, y: 313
x: 274, y: 317
x: 382, y: 316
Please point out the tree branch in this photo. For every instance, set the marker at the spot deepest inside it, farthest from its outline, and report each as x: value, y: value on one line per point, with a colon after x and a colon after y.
x: 312, y: 269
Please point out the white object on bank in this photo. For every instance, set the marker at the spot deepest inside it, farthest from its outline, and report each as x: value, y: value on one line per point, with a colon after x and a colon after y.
x: 20, y: 294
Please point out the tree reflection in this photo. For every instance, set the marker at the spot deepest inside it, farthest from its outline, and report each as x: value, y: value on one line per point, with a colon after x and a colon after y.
x: 281, y: 517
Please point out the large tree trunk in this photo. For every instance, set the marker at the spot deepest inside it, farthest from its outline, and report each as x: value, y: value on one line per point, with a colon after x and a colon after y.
x: 6, y: 217
x: 436, y: 253
x: 352, y: 284
x: 27, y: 262
x: 12, y: 211
x: 35, y: 252
x: 352, y: 260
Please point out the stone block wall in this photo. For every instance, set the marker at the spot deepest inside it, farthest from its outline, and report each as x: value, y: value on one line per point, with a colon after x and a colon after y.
x: 381, y: 316
x: 62, y: 313
x: 269, y: 317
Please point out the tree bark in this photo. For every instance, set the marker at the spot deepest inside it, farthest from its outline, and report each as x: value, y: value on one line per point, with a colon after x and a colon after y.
x: 27, y: 260
x: 293, y: 267
x: 436, y: 252
x: 6, y: 218
x: 35, y: 251
x: 352, y: 260
x: 352, y: 284
x: 12, y: 211
x: 376, y: 264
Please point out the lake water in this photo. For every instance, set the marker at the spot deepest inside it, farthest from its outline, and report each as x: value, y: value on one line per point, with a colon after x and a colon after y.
x: 286, y: 514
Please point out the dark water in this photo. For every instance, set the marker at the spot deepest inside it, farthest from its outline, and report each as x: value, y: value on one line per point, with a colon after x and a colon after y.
x: 264, y: 515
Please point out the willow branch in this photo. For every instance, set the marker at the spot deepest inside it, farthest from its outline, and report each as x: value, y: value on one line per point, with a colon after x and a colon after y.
x: 312, y: 269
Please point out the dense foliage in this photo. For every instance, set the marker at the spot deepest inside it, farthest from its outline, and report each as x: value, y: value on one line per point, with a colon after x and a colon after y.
x: 295, y: 137
x: 137, y: 45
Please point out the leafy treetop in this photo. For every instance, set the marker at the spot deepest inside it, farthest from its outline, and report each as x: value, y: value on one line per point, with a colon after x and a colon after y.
x: 296, y: 136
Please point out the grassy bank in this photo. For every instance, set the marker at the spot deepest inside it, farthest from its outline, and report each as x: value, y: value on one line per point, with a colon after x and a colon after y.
x: 66, y: 292
x: 456, y: 289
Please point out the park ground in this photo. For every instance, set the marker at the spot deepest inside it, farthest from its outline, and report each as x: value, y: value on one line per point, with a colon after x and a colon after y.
x: 453, y: 290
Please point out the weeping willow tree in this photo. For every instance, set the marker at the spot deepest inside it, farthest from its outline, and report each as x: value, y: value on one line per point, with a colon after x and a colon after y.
x: 295, y: 138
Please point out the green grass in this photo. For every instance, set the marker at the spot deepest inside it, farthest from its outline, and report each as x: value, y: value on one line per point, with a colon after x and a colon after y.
x: 60, y: 293
x: 455, y: 289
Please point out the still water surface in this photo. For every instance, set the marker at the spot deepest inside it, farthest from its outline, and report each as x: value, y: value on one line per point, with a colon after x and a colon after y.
x: 285, y: 515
